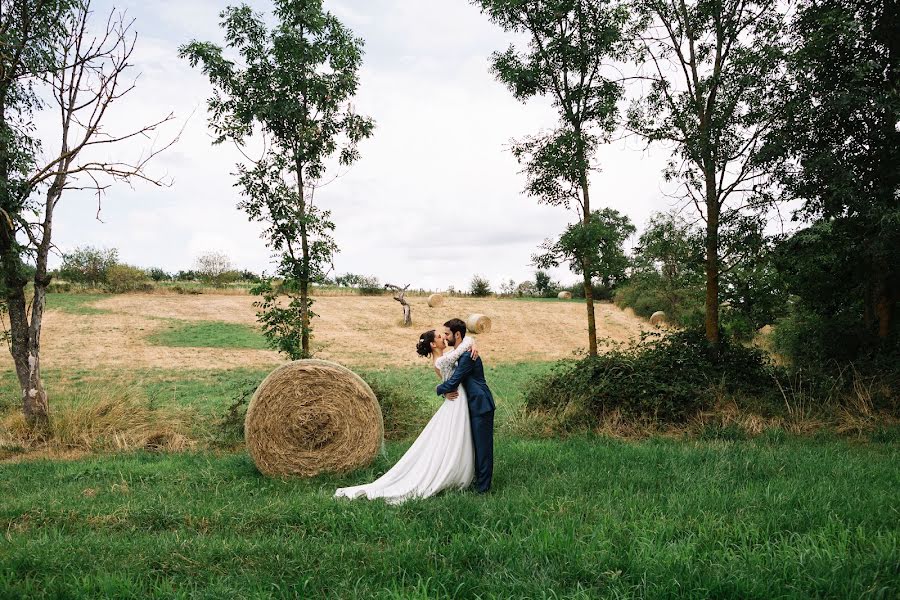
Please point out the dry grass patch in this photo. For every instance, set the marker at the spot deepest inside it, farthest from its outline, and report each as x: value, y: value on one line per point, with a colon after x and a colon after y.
x: 358, y: 331
x: 98, y: 420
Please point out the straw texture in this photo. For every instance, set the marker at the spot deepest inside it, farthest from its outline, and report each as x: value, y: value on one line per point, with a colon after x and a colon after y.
x: 313, y: 416
x: 658, y: 318
x: 435, y: 300
x: 564, y: 295
x: 478, y: 323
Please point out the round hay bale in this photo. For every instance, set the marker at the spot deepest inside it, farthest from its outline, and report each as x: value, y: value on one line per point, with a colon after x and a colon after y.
x: 435, y: 300
x: 478, y: 323
x: 564, y: 295
x: 658, y: 318
x: 313, y: 416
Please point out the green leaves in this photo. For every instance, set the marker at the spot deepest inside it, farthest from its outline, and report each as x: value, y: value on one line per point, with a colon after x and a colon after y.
x: 293, y: 87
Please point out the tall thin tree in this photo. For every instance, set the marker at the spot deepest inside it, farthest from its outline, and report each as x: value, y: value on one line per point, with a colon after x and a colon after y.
x: 294, y: 86
x: 570, y: 43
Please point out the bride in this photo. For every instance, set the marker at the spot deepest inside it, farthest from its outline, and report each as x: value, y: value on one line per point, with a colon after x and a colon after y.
x: 442, y: 456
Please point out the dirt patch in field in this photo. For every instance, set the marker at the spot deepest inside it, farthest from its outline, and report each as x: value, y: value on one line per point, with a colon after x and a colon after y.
x: 356, y: 331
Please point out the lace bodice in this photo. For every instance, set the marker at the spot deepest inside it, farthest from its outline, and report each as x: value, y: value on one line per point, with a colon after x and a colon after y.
x: 446, y: 364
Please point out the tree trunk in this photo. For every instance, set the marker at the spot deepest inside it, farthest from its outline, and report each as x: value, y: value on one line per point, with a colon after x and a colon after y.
x: 588, y: 290
x: 712, y: 260
x: 304, y: 275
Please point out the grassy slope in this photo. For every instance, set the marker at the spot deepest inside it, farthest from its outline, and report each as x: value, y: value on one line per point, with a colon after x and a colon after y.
x: 209, y: 334
x: 583, y: 517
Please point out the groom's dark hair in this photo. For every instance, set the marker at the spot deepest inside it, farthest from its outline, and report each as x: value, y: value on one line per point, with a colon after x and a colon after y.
x: 456, y: 326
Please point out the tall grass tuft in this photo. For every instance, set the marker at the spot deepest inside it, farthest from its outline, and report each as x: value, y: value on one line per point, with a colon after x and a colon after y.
x: 99, y: 419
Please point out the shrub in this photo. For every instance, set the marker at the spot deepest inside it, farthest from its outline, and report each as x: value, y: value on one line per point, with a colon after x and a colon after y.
x: 214, y: 268
x: 480, y: 287
x: 668, y: 378
x: 600, y: 291
x: 157, y: 274
x: 543, y: 285
x: 526, y: 289
x: 126, y: 278
x: 87, y: 265
x: 370, y: 286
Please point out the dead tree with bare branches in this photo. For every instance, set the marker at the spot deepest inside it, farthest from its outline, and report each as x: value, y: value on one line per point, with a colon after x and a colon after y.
x: 85, y: 74
x: 400, y: 296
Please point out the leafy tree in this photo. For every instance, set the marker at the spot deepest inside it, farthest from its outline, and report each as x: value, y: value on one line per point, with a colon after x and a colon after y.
x: 569, y: 45
x: 157, y: 274
x: 840, y: 130
x: 214, y: 268
x: 594, y: 249
x: 543, y: 284
x: 480, y: 287
x: 714, y: 71
x: 87, y: 265
x: 294, y: 86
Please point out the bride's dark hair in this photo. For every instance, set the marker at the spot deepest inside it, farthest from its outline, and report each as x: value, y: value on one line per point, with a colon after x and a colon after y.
x: 424, y: 345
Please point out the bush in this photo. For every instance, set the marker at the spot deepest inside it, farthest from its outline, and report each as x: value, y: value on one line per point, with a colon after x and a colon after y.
x: 667, y: 378
x: 544, y: 287
x: 526, y: 289
x: 600, y: 291
x: 157, y: 274
x: 126, y: 278
x: 647, y: 294
x: 480, y: 287
x: 214, y: 268
x: 370, y: 286
x: 88, y: 266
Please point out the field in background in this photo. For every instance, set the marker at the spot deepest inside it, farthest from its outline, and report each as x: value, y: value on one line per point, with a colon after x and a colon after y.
x: 171, y: 331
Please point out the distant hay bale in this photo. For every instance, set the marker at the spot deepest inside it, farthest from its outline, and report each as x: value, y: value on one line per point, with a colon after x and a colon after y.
x: 478, y: 323
x: 658, y: 318
x: 564, y: 295
x: 435, y: 300
x: 313, y: 416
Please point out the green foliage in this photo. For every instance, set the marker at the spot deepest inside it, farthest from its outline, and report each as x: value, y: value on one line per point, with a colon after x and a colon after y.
x: 480, y: 287
x: 214, y: 268
x: 544, y: 287
x: 157, y: 274
x: 282, y: 322
x: 209, y: 334
x: 207, y: 524
x: 668, y: 378
x: 126, y: 278
x: 405, y: 412
x: 369, y: 286
x: 88, y: 266
x: 295, y: 86
x: 839, y: 132
x: 595, y: 247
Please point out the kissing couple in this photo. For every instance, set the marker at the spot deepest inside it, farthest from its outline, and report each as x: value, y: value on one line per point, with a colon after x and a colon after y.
x: 456, y: 448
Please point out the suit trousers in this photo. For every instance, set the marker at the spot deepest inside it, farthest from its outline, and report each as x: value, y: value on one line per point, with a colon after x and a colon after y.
x: 483, y: 440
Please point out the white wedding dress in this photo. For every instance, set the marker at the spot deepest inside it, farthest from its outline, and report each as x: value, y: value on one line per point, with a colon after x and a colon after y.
x: 442, y: 456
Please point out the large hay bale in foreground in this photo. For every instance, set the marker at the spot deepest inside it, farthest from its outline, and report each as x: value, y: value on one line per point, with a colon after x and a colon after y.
x: 435, y: 300
x: 478, y: 323
x: 658, y: 318
x: 564, y: 295
x: 313, y: 416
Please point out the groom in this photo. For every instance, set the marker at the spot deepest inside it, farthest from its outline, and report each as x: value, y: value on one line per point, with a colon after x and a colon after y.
x: 470, y: 372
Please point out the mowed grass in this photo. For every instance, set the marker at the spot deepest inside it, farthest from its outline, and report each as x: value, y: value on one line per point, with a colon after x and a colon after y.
x: 586, y: 517
x: 75, y: 304
x: 209, y: 334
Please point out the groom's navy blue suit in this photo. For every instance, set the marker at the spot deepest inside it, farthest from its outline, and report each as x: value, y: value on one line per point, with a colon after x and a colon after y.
x: 481, y: 414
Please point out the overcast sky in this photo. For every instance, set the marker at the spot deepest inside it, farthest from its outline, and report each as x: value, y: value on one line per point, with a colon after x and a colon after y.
x: 436, y: 196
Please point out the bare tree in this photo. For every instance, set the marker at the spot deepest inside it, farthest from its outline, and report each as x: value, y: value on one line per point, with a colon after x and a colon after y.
x: 400, y: 296
x: 88, y: 77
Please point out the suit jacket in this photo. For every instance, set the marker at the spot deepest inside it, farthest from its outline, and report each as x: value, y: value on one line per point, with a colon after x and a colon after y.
x: 471, y: 374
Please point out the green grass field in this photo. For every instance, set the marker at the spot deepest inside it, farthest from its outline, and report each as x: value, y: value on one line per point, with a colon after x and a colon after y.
x: 580, y: 518
x: 75, y: 304
x: 209, y: 334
